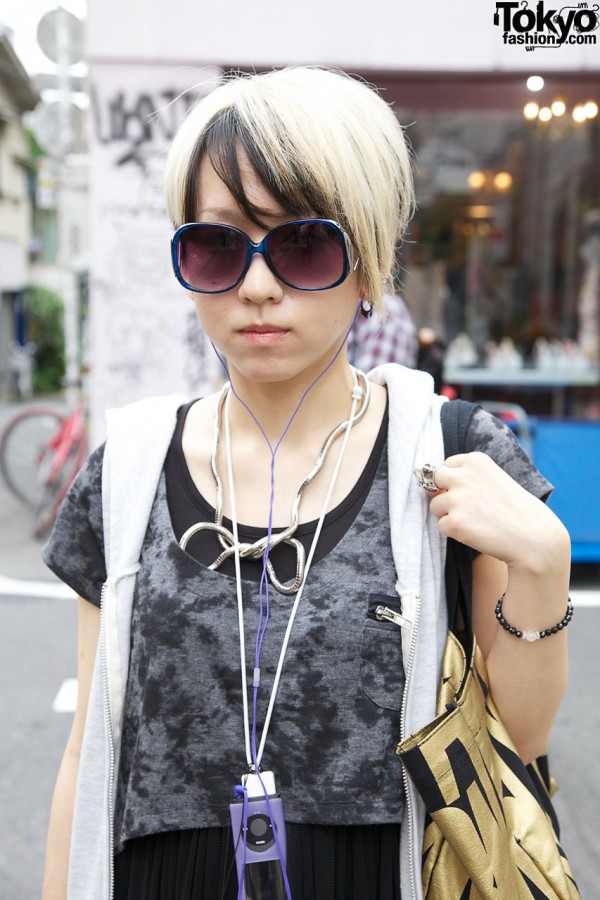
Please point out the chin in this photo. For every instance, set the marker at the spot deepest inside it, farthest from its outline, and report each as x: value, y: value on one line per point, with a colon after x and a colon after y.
x: 265, y: 374
x: 273, y: 371
x: 279, y: 368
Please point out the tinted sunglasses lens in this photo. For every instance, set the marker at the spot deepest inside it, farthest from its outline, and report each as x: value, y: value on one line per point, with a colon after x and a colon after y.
x: 211, y: 258
x: 308, y: 255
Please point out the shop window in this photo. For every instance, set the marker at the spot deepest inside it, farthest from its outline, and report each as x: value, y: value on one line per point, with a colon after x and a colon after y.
x: 507, y: 230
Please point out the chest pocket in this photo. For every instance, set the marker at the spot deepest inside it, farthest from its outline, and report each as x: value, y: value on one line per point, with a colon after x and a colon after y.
x: 381, y: 668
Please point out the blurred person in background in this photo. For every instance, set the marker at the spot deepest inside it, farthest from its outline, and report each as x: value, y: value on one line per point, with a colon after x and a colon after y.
x: 391, y: 337
x: 430, y: 356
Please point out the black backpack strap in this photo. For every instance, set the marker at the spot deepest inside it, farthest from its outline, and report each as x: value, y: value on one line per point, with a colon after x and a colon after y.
x: 456, y: 417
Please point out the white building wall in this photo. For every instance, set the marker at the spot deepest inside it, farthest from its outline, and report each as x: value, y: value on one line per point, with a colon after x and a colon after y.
x: 15, y: 215
x: 385, y: 34
x: 15, y: 224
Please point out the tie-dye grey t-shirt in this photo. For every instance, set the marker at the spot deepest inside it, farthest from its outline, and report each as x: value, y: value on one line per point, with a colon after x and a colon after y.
x: 336, y: 721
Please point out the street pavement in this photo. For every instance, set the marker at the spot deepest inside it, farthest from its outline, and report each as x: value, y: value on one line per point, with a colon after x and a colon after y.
x: 38, y: 664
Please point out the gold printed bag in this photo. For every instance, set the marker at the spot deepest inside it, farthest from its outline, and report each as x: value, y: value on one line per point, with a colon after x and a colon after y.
x: 491, y: 832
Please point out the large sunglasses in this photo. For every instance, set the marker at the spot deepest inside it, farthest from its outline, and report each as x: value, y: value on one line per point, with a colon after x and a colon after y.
x: 307, y: 254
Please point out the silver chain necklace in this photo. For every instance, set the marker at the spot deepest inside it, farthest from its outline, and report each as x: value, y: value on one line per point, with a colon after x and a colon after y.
x: 256, y: 551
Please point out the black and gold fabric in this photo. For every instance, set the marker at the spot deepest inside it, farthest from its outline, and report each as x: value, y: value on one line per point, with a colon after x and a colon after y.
x: 491, y: 831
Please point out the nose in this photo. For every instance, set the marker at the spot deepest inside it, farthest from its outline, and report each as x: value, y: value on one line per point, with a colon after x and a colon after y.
x: 259, y: 284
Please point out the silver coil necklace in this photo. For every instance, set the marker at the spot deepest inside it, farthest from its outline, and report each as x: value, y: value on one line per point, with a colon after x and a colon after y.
x: 256, y: 550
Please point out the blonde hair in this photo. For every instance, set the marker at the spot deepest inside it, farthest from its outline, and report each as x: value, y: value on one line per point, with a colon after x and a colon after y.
x: 321, y: 142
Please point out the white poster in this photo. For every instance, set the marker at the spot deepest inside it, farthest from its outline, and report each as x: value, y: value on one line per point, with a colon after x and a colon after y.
x: 144, y: 338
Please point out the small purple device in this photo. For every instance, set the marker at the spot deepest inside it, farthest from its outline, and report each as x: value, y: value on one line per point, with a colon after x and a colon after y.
x: 264, y: 855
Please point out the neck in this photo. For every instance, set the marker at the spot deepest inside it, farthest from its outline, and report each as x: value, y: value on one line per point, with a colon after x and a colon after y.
x: 273, y: 404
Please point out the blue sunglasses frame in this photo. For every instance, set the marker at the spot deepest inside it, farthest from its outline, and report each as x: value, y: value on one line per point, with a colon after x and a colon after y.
x: 262, y: 248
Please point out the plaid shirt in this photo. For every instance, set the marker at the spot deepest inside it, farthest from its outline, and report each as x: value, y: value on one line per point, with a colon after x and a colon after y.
x: 375, y: 341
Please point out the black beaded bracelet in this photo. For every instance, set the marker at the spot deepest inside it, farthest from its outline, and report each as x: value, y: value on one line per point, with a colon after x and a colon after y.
x: 533, y: 635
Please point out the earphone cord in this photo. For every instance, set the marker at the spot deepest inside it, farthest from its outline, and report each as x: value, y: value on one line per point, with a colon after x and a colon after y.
x: 253, y: 755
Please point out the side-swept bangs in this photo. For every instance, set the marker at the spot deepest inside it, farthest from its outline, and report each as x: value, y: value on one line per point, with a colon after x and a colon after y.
x: 227, y: 135
x: 321, y: 142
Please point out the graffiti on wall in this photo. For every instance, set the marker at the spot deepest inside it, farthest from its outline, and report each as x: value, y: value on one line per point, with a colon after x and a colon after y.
x: 137, y: 122
x: 144, y: 336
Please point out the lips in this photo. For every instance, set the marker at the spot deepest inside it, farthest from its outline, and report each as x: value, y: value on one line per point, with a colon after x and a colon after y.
x: 263, y: 334
x: 263, y: 329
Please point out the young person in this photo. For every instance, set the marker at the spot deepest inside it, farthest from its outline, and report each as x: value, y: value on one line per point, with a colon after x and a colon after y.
x: 289, y: 192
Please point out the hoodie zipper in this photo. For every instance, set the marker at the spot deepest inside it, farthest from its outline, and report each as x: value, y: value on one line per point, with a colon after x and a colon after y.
x: 111, y: 743
x: 386, y: 614
x: 413, y: 627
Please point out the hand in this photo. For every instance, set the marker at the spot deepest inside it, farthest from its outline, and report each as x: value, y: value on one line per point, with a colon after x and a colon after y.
x: 480, y: 505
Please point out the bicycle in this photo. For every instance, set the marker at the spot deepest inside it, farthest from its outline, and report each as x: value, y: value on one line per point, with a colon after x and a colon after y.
x: 41, y: 452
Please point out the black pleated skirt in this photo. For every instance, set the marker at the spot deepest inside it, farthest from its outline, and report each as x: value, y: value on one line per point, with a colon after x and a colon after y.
x: 359, y: 862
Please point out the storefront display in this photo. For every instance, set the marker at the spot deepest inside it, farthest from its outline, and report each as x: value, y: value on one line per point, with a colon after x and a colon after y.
x: 503, y: 260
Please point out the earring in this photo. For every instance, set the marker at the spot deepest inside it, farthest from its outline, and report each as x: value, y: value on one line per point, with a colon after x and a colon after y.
x: 366, y: 309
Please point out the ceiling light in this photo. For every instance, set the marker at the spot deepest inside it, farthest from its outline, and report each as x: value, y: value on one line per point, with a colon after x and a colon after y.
x: 476, y: 180
x: 535, y: 83
x: 503, y: 181
x: 531, y: 110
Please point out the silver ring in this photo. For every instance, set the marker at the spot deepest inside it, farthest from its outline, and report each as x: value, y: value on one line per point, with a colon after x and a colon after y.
x: 426, y: 477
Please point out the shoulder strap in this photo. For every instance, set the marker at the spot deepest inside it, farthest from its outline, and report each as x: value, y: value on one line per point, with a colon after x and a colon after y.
x: 456, y: 417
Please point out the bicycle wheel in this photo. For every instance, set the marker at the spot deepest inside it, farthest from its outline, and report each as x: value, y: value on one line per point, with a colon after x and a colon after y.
x: 24, y: 447
x: 55, y: 488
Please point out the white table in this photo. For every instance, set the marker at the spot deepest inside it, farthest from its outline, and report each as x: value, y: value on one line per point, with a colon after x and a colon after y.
x: 557, y: 380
